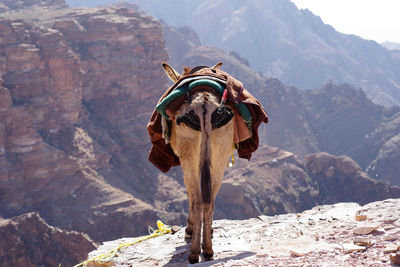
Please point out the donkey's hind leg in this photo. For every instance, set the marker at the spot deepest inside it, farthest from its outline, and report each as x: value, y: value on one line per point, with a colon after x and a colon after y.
x: 196, y: 211
x: 189, y: 227
x: 208, y: 211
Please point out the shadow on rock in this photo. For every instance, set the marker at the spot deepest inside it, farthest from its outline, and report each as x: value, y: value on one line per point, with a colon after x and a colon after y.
x: 181, y: 254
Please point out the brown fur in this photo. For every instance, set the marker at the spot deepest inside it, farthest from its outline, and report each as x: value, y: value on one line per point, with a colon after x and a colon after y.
x: 203, y: 156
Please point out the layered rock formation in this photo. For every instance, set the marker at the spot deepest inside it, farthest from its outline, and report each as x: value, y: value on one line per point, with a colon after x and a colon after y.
x: 77, y: 87
x: 344, y: 234
x: 27, y: 240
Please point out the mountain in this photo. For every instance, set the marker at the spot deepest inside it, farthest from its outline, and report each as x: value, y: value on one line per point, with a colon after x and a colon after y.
x: 391, y: 45
x: 336, y: 118
x: 77, y: 87
x: 283, y: 42
x: 8, y: 5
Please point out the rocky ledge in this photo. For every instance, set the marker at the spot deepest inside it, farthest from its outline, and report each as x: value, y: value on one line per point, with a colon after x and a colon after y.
x: 343, y: 234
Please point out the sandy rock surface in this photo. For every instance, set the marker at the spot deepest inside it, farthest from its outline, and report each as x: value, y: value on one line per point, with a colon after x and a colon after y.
x: 330, y: 235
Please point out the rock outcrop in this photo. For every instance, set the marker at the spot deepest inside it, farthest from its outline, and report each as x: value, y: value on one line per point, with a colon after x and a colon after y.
x: 27, y: 240
x: 344, y: 234
x: 277, y: 181
x: 341, y: 179
x: 273, y: 182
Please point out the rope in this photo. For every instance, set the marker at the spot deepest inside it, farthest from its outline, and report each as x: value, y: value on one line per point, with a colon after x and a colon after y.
x: 162, y: 229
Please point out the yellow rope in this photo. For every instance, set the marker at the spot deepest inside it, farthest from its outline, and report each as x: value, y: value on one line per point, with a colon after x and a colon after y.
x: 162, y: 229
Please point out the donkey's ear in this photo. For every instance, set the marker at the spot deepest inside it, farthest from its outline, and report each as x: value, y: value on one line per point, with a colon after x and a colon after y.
x: 171, y: 73
x: 217, y: 66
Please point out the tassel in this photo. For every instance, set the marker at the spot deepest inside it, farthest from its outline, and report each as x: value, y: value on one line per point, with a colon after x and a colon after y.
x: 232, y: 163
x: 224, y: 98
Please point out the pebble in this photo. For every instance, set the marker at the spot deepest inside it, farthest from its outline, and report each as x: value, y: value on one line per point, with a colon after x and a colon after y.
x: 390, y: 238
x: 362, y: 241
x: 390, y: 219
x: 391, y: 248
x: 360, y: 217
x: 350, y: 247
x: 299, y: 252
x: 389, y: 227
x: 395, y: 258
x: 365, y: 229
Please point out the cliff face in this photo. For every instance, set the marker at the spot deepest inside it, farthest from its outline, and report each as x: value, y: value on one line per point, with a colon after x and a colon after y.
x: 77, y: 88
x: 386, y: 140
x: 120, y: 54
x: 41, y: 94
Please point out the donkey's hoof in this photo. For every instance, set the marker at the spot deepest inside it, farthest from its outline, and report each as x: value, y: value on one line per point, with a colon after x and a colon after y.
x: 193, y: 258
x: 208, y: 255
x: 188, y: 233
x: 189, y: 230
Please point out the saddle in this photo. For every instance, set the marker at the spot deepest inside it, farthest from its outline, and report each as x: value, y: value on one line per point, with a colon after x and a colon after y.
x: 248, y: 112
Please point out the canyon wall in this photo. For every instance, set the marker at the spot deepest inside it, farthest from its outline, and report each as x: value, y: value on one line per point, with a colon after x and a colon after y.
x: 76, y: 92
x: 77, y: 87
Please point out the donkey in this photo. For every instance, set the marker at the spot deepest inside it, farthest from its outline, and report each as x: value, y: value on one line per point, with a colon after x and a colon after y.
x: 201, y: 135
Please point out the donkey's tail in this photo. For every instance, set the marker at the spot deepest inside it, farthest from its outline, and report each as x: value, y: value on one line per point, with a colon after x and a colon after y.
x: 205, y: 156
x: 205, y: 182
